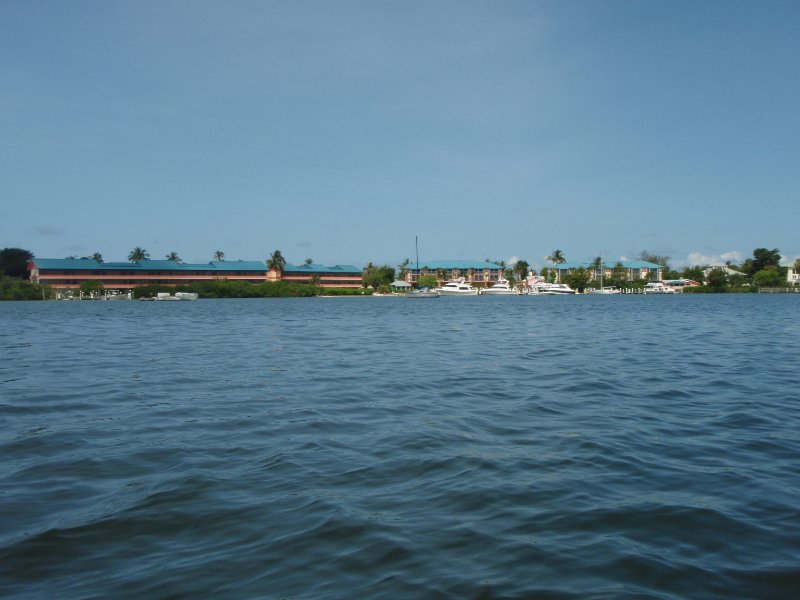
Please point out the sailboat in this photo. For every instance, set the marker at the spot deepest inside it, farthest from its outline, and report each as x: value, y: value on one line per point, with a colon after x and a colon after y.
x: 606, y: 291
x: 421, y: 292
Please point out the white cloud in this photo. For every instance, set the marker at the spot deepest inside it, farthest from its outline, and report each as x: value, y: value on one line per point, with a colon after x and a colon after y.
x: 512, y: 260
x: 695, y: 259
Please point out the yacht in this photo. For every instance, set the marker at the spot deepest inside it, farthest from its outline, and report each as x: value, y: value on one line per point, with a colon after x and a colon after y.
x: 422, y: 293
x: 657, y: 287
x: 551, y: 289
x: 458, y: 287
x: 605, y: 291
x: 500, y: 288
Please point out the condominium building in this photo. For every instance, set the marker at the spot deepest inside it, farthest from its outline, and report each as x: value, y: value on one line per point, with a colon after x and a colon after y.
x: 474, y: 272
x: 69, y: 273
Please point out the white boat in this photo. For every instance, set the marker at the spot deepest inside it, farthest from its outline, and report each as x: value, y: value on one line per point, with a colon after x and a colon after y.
x: 606, y: 291
x: 551, y: 289
x: 500, y: 288
x: 657, y: 287
x: 422, y: 293
x: 458, y: 287
x: 167, y: 297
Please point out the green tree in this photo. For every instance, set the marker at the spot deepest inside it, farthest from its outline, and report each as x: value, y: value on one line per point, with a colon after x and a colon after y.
x: 403, y: 267
x: 12, y: 288
x: 521, y: 268
x: 219, y: 255
x: 91, y: 288
x: 375, y: 277
x: 137, y: 254
x: 578, y: 279
x: 768, y: 277
x: 14, y: 262
x: 309, y: 261
x: 717, y: 280
x: 276, y: 261
x: 426, y: 281
x: 557, y: 257
x: 762, y: 258
x: 98, y: 257
x: 659, y: 259
x: 693, y: 273
x: 619, y: 278
x: 174, y: 256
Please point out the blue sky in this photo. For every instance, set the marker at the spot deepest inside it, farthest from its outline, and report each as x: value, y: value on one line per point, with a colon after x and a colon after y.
x: 339, y: 131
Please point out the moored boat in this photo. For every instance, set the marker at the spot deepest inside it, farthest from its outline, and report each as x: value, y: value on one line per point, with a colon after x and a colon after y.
x: 457, y: 287
x: 551, y: 289
x: 657, y: 287
x: 422, y: 293
x: 605, y: 291
x: 501, y: 287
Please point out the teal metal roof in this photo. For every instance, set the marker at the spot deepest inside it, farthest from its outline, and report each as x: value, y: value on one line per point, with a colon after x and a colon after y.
x: 478, y: 265
x: 628, y: 264
x: 221, y: 266
x: 75, y: 264
x: 239, y: 265
x: 322, y: 269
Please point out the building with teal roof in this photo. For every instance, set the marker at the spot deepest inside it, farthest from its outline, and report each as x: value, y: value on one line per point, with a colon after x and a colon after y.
x: 476, y: 272
x: 69, y: 273
x: 635, y: 269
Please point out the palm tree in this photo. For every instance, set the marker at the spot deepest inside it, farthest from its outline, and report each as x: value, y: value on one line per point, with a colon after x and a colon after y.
x: 98, y: 257
x: 557, y: 258
x: 174, y: 256
x: 219, y: 255
x: 138, y: 254
x: 276, y: 261
x: 401, y: 268
x: 309, y: 261
x: 596, y: 265
x: 521, y: 269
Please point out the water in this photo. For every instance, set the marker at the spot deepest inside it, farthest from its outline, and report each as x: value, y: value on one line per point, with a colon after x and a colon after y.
x: 581, y: 447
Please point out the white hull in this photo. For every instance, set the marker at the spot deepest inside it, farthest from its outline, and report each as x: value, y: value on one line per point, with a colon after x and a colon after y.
x: 501, y: 288
x: 552, y: 289
x: 422, y: 294
x: 457, y: 288
x: 657, y: 288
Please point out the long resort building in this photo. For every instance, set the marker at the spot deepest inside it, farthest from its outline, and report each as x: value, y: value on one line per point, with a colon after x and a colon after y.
x: 69, y: 273
x: 482, y: 273
x: 633, y: 269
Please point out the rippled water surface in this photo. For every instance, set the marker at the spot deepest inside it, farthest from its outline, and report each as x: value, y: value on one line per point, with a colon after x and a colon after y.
x: 624, y: 446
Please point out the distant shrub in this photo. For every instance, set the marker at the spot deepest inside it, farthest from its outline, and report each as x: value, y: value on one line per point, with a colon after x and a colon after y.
x: 19, y: 289
x: 224, y: 288
x: 346, y: 292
